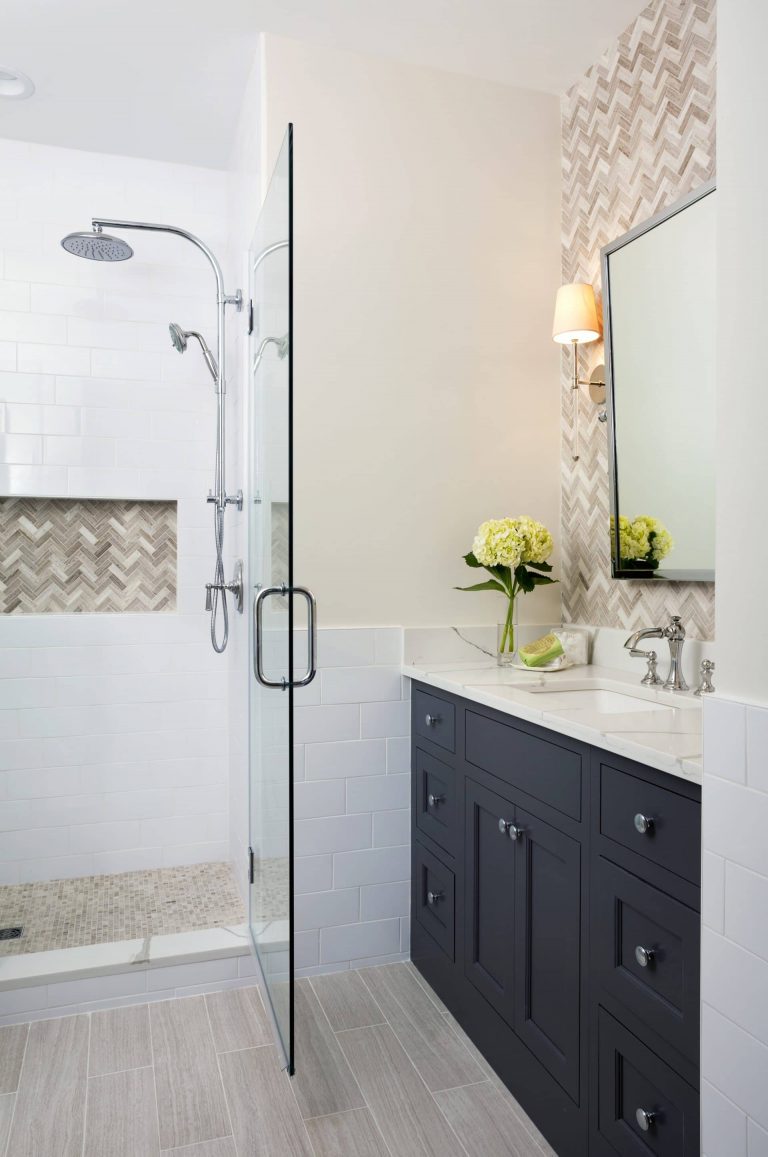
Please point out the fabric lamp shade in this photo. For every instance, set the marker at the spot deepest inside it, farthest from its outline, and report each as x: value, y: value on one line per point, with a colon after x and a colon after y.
x: 575, y: 314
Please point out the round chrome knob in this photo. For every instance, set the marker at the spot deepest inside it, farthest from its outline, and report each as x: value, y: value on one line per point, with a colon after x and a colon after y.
x: 434, y: 897
x: 507, y: 828
x: 644, y: 956
x: 431, y: 720
x: 645, y: 1119
x: 435, y: 800
x: 643, y: 824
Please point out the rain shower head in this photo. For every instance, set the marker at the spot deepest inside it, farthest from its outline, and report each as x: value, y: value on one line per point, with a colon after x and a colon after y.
x: 180, y: 338
x: 97, y: 246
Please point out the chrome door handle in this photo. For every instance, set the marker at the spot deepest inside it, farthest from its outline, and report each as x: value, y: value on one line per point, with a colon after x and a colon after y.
x: 645, y: 1119
x: 258, y: 609
x: 644, y: 956
x: 434, y: 898
x: 643, y: 824
x: 431, y: 720
x: 507, y: 828
x: 435, y: 800
x: 311, y: 636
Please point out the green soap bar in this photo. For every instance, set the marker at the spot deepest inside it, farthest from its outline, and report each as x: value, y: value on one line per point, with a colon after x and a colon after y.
x: 541, y: 651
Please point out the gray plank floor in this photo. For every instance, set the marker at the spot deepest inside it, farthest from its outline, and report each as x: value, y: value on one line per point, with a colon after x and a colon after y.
x: 383, y: 1070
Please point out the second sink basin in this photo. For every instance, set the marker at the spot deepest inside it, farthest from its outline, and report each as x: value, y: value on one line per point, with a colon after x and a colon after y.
x: 594, y: 699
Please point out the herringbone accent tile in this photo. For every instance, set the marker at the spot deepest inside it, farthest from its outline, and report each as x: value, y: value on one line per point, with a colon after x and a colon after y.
x: 638, y: 134
x: 60, y: 555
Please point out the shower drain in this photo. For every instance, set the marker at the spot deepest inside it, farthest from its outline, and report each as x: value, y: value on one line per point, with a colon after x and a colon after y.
x: 11, y: 933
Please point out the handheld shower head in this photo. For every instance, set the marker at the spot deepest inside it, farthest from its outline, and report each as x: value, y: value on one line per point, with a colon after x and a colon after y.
x: 180, y: 338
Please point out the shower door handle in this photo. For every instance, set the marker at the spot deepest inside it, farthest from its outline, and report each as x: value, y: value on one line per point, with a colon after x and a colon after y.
x: 258, y: 633
x: 311, y: 636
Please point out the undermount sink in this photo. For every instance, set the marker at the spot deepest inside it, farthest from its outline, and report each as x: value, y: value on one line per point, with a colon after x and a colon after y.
x: 596, y: 699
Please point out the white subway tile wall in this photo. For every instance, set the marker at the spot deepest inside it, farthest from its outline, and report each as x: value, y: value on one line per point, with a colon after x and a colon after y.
x: 113, y: 729
x: 734, y: 953
x: 352, y: 801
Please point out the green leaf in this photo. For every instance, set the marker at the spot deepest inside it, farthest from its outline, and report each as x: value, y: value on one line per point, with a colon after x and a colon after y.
x: 470, y: 560
x: 539, y: 566
x: 491, y: 585
x: 541, y: 580
x: 524, y: 580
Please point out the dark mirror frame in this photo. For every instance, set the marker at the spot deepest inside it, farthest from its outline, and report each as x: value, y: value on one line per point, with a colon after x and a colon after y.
x: 613, y: 464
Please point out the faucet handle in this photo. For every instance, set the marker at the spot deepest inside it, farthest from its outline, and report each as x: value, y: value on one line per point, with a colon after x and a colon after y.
x: 706, y: 687
x: 675, y: 630
x: 652, y: 677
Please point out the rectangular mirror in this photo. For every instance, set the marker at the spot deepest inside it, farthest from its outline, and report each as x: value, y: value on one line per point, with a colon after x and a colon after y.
x: 660, y: 323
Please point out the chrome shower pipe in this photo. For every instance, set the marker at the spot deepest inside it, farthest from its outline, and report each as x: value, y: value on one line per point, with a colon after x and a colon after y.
x: 223, y: 299
x: 219, y: 587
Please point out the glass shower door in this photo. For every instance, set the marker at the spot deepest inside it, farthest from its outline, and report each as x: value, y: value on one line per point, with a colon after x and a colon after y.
x: 273, y: 673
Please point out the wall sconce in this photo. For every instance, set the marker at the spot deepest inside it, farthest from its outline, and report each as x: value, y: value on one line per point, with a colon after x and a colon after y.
x: 576, y: 323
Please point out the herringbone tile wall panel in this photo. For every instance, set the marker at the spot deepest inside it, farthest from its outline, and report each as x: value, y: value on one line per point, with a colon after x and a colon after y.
x: 60, y: 555
x: 638, y: 134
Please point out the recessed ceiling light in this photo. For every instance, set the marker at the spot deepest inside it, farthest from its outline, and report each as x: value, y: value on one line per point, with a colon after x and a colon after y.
x: 15, y: 85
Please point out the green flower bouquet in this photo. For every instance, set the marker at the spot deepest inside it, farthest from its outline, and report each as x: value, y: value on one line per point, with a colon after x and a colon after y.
x: 514, y: 552
x: 643, y: 542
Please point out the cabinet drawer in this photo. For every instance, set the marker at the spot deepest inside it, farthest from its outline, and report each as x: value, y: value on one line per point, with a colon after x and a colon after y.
x: 433, y: 898
x: 637, y: 1088
x: 436, y: 807
x: 646, y: 954
x: 655, y: 823
x: 434, y: 719
x: 544, y: 770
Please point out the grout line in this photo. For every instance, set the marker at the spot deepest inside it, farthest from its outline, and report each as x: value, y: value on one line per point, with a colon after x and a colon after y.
x: 7, y: 1147
x: 87, y: 1085
x: 154, y: 1076
x: 221, y: 1075
x: 245, y: 1049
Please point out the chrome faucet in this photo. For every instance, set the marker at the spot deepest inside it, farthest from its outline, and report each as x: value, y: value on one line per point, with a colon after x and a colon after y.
x: 674, y: 633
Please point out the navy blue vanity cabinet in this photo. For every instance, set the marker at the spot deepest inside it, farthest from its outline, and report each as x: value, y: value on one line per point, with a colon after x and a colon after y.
x: 645, y: 940
x: 555, y: 911
x: 499, y: 898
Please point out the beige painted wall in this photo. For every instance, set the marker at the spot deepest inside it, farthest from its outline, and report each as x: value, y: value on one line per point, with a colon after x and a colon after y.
x: 426, y: 260
x: 742, y: 421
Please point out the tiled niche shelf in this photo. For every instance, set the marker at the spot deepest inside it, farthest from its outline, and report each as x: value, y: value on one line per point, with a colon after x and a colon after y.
x: 84, y: 555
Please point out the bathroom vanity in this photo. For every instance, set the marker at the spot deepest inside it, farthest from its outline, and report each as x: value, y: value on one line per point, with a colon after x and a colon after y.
x: 556, y: 899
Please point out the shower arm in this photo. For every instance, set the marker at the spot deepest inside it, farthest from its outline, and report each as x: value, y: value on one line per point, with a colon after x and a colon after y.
x: 222, y: 301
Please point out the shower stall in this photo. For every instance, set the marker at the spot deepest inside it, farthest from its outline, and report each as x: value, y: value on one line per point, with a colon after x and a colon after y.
x: 121, y: 922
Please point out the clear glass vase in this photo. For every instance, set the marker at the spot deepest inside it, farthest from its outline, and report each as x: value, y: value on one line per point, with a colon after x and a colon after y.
x: 506, y: 638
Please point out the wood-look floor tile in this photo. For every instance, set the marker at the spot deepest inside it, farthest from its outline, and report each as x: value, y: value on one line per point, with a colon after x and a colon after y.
x: 541, y: 1145
x: 7, y: 1101
x: 265, y: 1117
x: 224, y: 1147
x: 409, y: 966
x: 120, y: 1040
x: 50, y: 1103
x: 439, y: 1056
x: 122, y: 1118
x: 13, y: 1041
x: 346, y: 1001
x: 485, y: 1122
x: 238, y: 1019
x: 404, y: 1110
x: 323, y: 1083
x: 352, y: 1134
x: 190, y: 1100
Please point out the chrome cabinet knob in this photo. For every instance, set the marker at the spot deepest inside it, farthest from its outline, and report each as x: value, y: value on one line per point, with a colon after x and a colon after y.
x: 431, y: 720
x: 643, y: 824
x: 434, y: 897
x: 435, y: 800
x: 645, y: 1119
x: 644, y: 956
x: 507, y: 828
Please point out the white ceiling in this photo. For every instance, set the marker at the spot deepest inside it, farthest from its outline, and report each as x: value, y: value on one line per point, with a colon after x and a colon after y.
x: 164, y: 78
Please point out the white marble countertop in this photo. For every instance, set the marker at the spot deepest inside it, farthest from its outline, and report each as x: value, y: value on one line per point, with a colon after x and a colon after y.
x: 659, y: 728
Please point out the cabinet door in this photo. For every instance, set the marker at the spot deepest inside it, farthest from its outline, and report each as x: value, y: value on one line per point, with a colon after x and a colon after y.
x: 489, y: 898
x: 547, y: 946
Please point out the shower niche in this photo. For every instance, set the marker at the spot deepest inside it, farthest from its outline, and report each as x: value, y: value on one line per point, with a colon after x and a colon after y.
x: 87, y: 556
